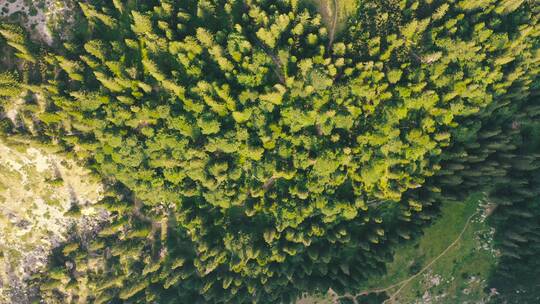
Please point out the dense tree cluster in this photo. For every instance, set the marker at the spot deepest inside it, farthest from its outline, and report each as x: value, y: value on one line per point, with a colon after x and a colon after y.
x: 253, y: 160
x: 516, y: 198
x: 517, y: 223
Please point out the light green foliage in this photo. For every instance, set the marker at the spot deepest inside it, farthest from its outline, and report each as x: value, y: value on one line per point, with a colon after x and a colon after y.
x: 93, y: 14
x: 275, y: 151
x: 10, y: 87
x: 16, y: 38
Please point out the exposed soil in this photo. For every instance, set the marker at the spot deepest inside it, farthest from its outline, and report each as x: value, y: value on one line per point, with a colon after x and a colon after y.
x: 36, y: 189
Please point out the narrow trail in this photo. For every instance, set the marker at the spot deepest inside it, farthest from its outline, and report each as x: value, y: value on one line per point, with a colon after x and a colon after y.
x: 334, y: 24
x: 404, y: 283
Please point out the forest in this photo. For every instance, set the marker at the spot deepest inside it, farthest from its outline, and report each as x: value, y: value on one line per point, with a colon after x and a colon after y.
x: 251, y: 154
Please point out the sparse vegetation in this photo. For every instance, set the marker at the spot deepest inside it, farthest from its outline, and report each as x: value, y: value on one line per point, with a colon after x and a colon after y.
x: 32, y: 220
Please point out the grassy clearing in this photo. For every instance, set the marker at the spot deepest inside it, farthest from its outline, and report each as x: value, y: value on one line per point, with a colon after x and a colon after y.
x: 344, y: 10
x: 459, y: 275
x: 327, y: 9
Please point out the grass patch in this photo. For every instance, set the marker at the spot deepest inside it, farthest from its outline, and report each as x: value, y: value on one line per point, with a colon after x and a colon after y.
x: 345, y: 9
x: 458, y: 276
x: 327, y: 9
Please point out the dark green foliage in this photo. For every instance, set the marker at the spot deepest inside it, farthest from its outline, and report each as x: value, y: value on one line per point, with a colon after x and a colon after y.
x: 374, y: 298
x: 253, y: 162
x: 6, y: 126
x: 517, y: 217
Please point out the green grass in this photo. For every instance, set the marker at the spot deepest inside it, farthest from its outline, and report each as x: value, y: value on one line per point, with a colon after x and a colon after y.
x: 345, y: 9
x: 327, y: 9
x: 460, y: 273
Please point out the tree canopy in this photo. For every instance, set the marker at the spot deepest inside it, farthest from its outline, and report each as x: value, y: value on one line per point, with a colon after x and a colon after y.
x: 251, y: 161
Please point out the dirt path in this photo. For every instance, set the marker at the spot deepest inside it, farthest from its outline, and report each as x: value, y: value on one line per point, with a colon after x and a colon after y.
x: 332, y: 33
x: 330, y: 16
